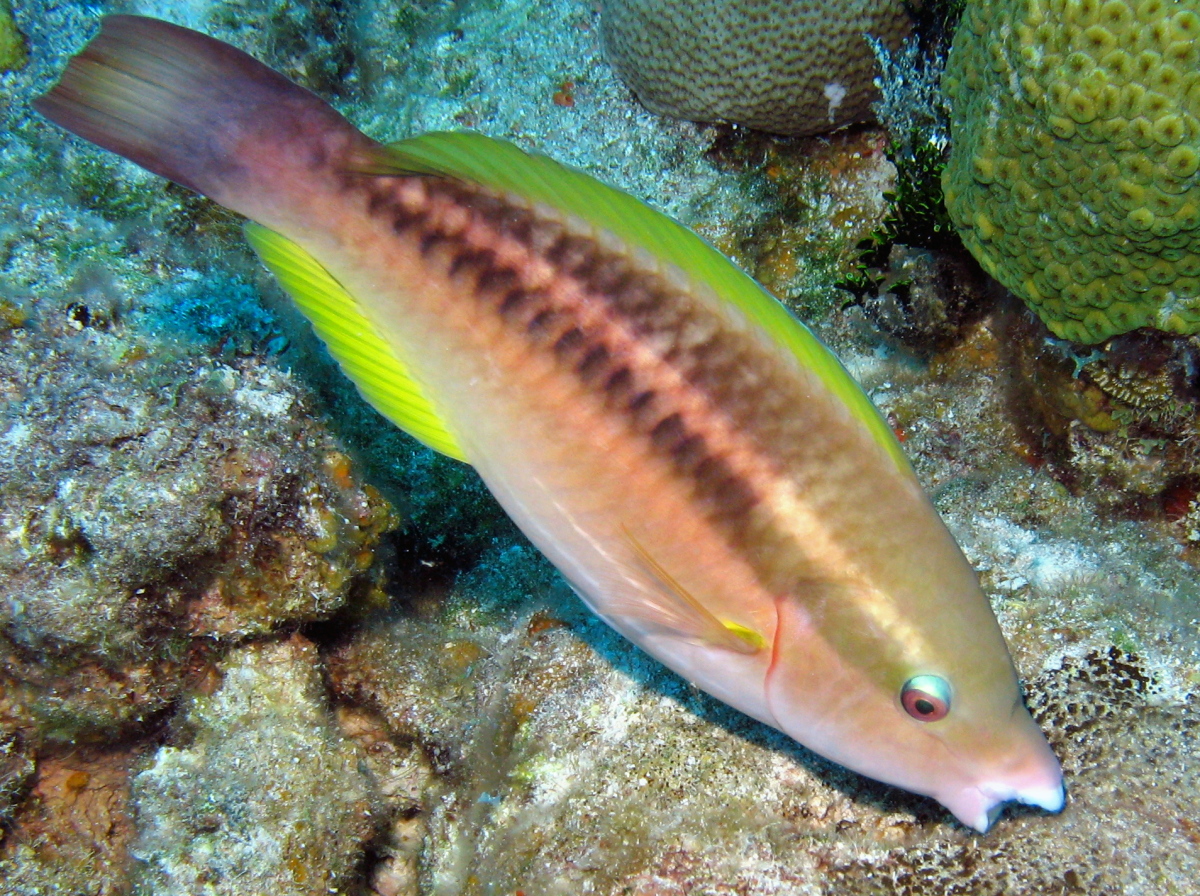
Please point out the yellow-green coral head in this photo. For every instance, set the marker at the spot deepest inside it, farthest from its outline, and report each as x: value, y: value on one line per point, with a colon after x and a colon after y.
x: 1076, y: 144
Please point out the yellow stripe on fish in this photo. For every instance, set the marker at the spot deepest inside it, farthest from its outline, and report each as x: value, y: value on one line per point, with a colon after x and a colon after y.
x: 697, y: 464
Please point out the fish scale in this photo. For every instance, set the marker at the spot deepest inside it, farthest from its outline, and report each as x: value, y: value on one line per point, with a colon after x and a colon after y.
x: 757, y: 487
x: 695, y: 462
x: 596, y: 326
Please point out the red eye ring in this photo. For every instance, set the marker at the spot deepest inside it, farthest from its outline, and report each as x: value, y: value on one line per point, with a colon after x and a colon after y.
x: 926, y: 698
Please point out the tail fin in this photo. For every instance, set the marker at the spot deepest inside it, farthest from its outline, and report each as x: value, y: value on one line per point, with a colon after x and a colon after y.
x: 198, y: 112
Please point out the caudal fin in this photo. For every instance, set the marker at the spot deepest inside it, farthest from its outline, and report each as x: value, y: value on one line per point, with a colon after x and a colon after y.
x: 199, y: 112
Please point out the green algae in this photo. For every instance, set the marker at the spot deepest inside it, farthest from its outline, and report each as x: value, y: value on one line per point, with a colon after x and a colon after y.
x: 14, y: 52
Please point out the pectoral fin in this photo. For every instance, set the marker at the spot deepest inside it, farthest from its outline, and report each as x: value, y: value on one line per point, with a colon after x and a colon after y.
x: 672, y: 609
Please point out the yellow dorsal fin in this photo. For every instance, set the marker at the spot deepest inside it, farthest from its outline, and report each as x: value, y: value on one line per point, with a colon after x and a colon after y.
x: 681, y: 614
x: 367, y: 358
x: 503, y: 167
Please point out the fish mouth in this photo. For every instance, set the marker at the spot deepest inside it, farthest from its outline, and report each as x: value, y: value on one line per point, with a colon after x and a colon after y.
x: 1031, y: 775
x: 979, y: 806
x: 1051, y: 798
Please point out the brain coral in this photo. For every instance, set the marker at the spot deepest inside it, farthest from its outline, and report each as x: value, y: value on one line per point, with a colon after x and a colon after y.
x: 784, y: 66
x: 1073, y: 175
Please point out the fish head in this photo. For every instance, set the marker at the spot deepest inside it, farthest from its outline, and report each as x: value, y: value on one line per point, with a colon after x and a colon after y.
x: 915, y: 690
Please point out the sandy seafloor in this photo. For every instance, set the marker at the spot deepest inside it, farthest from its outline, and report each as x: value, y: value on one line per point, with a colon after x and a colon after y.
x: 189, y: 490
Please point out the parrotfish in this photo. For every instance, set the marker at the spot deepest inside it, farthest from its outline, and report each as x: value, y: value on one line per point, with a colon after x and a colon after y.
x: 696, y: 463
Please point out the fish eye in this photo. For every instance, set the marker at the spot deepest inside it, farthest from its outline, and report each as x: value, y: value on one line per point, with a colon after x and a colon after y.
x: 926, y: 698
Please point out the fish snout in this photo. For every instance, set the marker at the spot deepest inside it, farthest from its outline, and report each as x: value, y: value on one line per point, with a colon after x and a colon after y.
x: 1033, y: 777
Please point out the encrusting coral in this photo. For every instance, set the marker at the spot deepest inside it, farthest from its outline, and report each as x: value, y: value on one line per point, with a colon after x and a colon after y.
x: 784, y: 66
x: 1074, y: 176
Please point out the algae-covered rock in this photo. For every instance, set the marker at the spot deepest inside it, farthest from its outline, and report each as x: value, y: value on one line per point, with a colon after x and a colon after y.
x: 784, y: 66
x: 1074, y: 176
x: 1119, y: 420
x: 16, y: 770
x: 13, y: 52
x: 73, y: 833
x: 260, y: 793
x: 404, y: 783
x: 148, y: 499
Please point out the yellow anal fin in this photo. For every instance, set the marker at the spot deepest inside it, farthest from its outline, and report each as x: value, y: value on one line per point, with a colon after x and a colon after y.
x: 681, y: 614
x: 370, y: 361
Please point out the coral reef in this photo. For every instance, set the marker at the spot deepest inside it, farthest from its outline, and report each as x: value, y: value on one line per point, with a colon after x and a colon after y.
x: 1119, y: 420
x: 819, y: 200
x: 914, y: 278
x: 500, y: 737
x: 783, y: 67
x: 150, y: 499
x: 922, y: 298
x: 1076, y: 146
x: 913, y: 110
x: 260, y: 793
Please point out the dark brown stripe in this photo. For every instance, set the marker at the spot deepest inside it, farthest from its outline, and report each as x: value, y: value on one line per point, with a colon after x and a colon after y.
x: 726, y: 368
x: 471, y: 259
x: 640, y: 406
x: 689, y: 452
x: 430, y: 240
x: 513, y: 300
x: 668, y: 432
x: 618, y: 385
x: 594, y: 363
x: 573, y: 255
x: 542, y: 322
x: 569, y: 343
x: 497, y: 280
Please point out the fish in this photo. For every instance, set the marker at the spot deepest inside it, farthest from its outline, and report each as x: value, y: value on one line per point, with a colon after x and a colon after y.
x: 696, y: 463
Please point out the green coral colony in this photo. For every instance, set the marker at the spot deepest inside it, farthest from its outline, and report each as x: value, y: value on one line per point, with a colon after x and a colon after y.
x: 1073, y: 177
